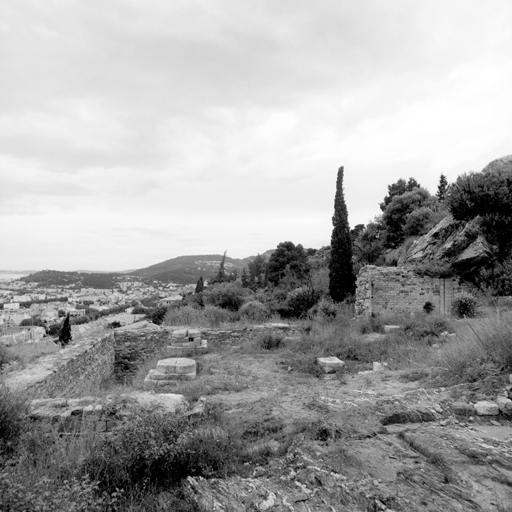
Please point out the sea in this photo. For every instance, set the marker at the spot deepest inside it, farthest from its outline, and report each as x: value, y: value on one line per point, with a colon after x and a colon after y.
x: 6, y: 276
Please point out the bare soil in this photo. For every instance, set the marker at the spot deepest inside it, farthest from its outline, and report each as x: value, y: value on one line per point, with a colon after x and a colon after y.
x: 368, y: 442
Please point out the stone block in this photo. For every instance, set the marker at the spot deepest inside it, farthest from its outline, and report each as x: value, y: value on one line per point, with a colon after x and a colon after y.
x: 463, y: 409
x: 330, y: 364
x: 380, y: 367
x: 505, y: 405
x: 88, y: 409
x: 177, y: 365
x: 391, y: 328
x: 486, y: 408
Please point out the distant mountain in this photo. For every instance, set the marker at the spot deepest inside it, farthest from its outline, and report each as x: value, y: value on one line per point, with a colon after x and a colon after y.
x: 188, y: 269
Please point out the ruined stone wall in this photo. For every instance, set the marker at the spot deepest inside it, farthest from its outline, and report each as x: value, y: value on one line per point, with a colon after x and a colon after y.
x: 400, y: 290
x: 133, y: 347
x: 70, y: 372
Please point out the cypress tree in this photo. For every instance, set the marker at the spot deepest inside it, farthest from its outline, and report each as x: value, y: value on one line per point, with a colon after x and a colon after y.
x: 341, y: 274
x: 65, y: 332
x: 199, y: 285
x: 221, y: 274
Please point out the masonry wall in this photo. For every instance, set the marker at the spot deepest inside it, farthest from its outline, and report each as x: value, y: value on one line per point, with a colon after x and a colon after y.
x: 400, y: 290
x: 70, y: 372
x: 133, y: 347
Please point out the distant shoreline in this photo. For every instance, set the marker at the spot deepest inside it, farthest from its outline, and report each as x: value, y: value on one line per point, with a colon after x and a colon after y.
x: 9, y: 276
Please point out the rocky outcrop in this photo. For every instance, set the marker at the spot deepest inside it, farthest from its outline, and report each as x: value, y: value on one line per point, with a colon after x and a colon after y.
x: 459, y: 245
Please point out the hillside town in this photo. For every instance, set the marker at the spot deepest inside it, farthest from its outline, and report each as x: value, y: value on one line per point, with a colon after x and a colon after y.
x: 28, y: 310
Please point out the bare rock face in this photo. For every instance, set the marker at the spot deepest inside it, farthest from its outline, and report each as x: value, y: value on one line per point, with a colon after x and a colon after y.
x: 457, y: 243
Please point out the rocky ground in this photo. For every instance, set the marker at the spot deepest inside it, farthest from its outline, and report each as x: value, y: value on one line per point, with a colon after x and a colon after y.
x: 358, y: 442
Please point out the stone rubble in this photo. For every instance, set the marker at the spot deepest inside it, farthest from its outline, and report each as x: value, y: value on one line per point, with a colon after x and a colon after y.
x: 186, y: 343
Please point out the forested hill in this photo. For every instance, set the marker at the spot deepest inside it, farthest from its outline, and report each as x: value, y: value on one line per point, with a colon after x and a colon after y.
x: 77, y: 279
x: 188, y: 269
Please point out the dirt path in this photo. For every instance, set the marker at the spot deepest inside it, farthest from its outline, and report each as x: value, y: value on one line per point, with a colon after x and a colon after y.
x: 362, y: 442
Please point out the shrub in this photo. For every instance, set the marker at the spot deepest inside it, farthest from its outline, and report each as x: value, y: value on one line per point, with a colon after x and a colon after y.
x: 229, y: 296
x: 271, y: 341
x: 13, y: 410
x: 157, y: 315
x: 428, y: 307
x: 325, y: 309
x: 255, y: 310
x: 464, y: 305
x: 53, y: 329
x: 301, y: 300
x: 47, y: 495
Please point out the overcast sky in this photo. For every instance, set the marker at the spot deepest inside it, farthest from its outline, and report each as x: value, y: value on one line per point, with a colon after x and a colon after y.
x: 132, y: 132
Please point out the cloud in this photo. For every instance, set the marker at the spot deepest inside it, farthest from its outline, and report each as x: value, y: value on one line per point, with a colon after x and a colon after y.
x: 206, y: 121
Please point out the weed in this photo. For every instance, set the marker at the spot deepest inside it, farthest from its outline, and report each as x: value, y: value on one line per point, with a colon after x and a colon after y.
x: 13, y: 409
x: 270, y: 341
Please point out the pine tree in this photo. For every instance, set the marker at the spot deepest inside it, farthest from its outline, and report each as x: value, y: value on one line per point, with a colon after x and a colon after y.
x: 65, y: 332
x: 442, y: 188
x: 341, y: 275
x: 199, y: 285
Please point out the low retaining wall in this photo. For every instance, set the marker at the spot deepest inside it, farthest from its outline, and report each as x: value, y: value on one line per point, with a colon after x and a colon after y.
x: 72, y: 371
x: 400, y: 290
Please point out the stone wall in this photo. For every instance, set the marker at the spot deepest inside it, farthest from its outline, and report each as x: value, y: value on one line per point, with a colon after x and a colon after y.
x: 133, y: 347
x: 70, y: 372
x: 400, y: 290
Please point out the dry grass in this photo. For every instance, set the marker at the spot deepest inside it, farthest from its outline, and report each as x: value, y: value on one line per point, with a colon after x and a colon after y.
x: 25, y: 353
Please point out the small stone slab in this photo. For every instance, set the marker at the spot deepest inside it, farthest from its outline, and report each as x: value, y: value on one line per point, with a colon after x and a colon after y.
x: 180, y: 333
x: 486, y: 408
x: 177, y: 365
x: 391, y: 328
x: 330, y: 364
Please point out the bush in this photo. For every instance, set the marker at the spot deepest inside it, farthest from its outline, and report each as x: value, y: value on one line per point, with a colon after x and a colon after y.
x: 301, y: 300
x: 428, y: 307
x: 47, y: 495
x: 159, y: 450
x: 325, y: 309
x: 13, y: 410
x: 255, y: 310
x: 271, y: 341
x: 53, y: 329
x: 229, y: 296
x: 464, y: 305
x: 157, y: 315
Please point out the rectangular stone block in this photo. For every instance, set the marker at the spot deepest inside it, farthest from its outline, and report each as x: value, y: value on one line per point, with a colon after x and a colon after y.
x: 330, y: 364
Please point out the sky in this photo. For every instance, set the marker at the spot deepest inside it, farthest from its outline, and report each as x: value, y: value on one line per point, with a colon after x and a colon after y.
x: 135, y: 131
